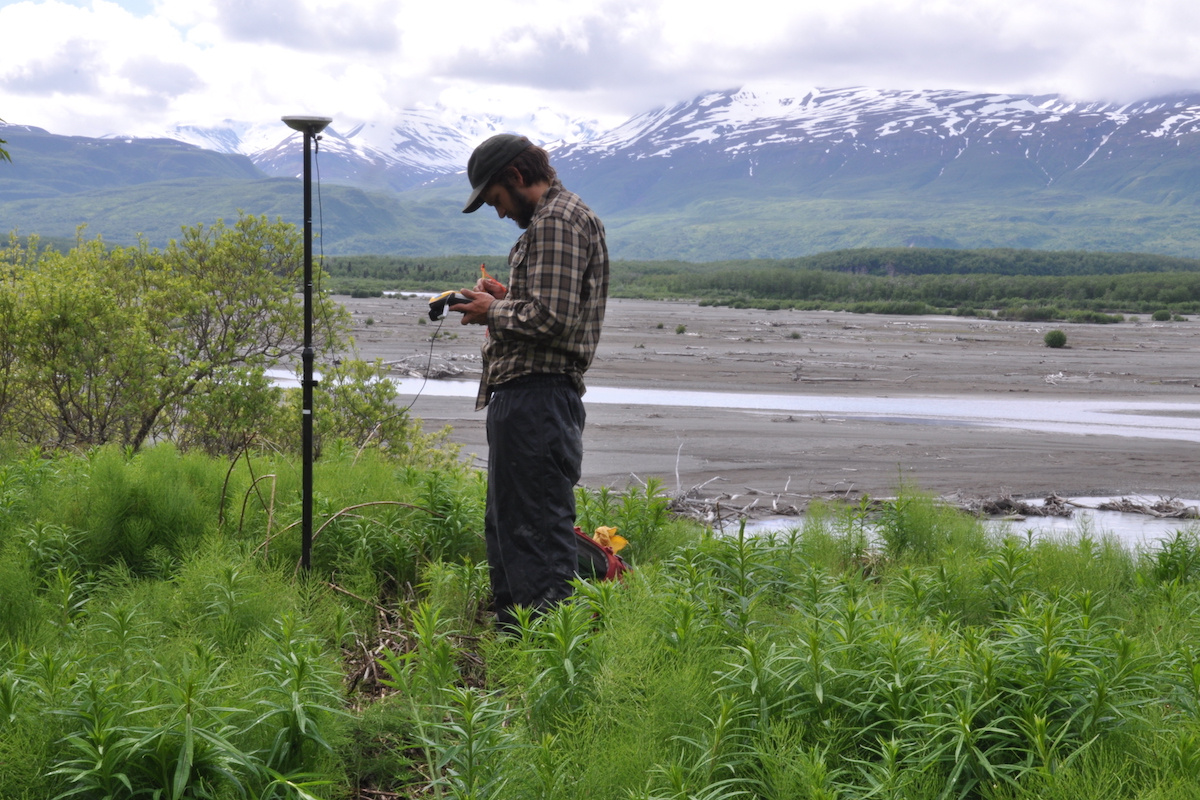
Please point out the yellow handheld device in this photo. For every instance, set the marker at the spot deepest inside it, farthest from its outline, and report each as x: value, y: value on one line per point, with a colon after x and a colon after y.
x: 438, y: 306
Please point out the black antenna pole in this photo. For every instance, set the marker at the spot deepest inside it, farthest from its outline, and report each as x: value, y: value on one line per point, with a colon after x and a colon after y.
x: 310, y: 127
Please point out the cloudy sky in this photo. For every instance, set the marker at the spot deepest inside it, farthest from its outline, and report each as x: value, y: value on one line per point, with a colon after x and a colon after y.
x: 94, y: 67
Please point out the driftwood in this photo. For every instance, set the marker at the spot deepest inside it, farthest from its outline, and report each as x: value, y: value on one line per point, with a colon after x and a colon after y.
x: 1008, y: 506
x: 1055, y: 506
x: 1163, y: 508
x: 713, y: 506
x: 718, y: 508
x: 423, y: 366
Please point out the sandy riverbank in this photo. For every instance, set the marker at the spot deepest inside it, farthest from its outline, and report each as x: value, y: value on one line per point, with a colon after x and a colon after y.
x: 839, y: 355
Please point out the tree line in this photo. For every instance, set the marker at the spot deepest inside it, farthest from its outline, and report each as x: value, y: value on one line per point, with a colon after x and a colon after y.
x: 998, y: 261
x: 1129, y: 293
x: 442, y: 270
x: 996, y: 278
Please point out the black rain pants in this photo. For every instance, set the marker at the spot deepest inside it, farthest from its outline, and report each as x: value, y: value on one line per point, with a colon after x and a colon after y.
x: 535, y: 451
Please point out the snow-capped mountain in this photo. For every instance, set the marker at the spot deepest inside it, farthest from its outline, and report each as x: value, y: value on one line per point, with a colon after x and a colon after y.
x: 860, y: 141
x: 424, y: 144
x: 753, y: 118
x: 759, y: 171
x: 802, y: 134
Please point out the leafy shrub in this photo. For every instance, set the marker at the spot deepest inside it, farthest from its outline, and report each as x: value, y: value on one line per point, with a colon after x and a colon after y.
x: 1177, y: 559
x: 129, y: 507
x: 224, y: 423
x: 918, y: 527
x: 1094, y: 317
x: 1055, y: 338
x: 1162, y: 315
x: 358, y: 406
x: 19, y: 614
x: 681, y: 328
x: 1032, y: 313
x: 113, y: 345
x: 910, y: 307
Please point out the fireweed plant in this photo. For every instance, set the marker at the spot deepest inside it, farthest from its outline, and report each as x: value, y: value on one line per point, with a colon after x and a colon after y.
x: 157, y: 640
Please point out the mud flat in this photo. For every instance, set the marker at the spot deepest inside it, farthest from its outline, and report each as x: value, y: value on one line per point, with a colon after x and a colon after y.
x: 828, y: 448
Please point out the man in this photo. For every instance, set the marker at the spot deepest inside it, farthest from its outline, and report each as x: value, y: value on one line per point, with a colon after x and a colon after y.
x: 542, y: 331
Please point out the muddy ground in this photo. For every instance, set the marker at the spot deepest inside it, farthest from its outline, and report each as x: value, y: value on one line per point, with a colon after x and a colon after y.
x: 842, y: 355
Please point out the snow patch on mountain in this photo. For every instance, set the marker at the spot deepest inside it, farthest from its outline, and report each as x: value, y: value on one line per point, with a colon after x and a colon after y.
x: 756, y: 116
x: 421, y: 142
x: 428, y: 142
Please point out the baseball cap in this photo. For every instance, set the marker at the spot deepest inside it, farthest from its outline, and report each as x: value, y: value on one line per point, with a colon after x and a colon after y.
x: 487, y: 160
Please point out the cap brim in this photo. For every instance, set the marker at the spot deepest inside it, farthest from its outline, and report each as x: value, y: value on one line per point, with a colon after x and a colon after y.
x: 475, y: 200
x: 489, y: 160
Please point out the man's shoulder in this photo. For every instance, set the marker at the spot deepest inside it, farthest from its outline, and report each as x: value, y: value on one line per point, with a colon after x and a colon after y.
x: 565, y: 204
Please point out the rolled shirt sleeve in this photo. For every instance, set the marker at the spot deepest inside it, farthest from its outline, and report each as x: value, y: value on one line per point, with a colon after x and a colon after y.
x: 554, y: 266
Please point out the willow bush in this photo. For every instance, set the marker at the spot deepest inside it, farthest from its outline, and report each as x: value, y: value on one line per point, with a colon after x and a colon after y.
x: 132, y: 345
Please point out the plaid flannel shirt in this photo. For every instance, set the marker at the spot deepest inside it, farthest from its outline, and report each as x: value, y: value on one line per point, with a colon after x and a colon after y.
x: 557, y: 288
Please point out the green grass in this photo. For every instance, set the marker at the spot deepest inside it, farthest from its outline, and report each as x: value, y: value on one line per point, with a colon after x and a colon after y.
x: 884, y: 649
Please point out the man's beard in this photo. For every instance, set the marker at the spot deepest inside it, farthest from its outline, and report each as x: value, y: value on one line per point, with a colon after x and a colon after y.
x: 522, y: 207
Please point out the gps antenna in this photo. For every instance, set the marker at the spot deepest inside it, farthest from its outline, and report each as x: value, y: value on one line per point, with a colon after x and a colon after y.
x: 310, y: 127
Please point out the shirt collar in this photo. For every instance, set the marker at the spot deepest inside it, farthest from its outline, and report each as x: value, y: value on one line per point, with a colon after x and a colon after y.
x: 547, y: 196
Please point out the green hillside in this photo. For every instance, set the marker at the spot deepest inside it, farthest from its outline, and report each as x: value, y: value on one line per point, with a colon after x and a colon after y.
x: 430, y: 222
x: 45, y: 165
x: 716, y: 229
x: 691, y: 207
x: 353, y: 221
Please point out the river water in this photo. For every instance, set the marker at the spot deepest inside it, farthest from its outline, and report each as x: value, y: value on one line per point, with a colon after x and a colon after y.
x: 1145, y: 420
x: 1127, y: 418
x: 1134, y: 531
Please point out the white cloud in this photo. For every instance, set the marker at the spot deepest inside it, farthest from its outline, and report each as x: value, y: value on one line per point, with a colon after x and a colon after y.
x: 314, y: 26
x: 99, y: 68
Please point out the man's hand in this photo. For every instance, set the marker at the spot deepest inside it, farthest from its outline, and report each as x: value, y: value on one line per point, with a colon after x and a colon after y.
x: 493, y: 287
x: 475, y: 312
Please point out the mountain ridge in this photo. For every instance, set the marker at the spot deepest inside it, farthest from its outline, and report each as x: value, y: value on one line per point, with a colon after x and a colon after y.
x: 756, y: 171
x: 430, y: 143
